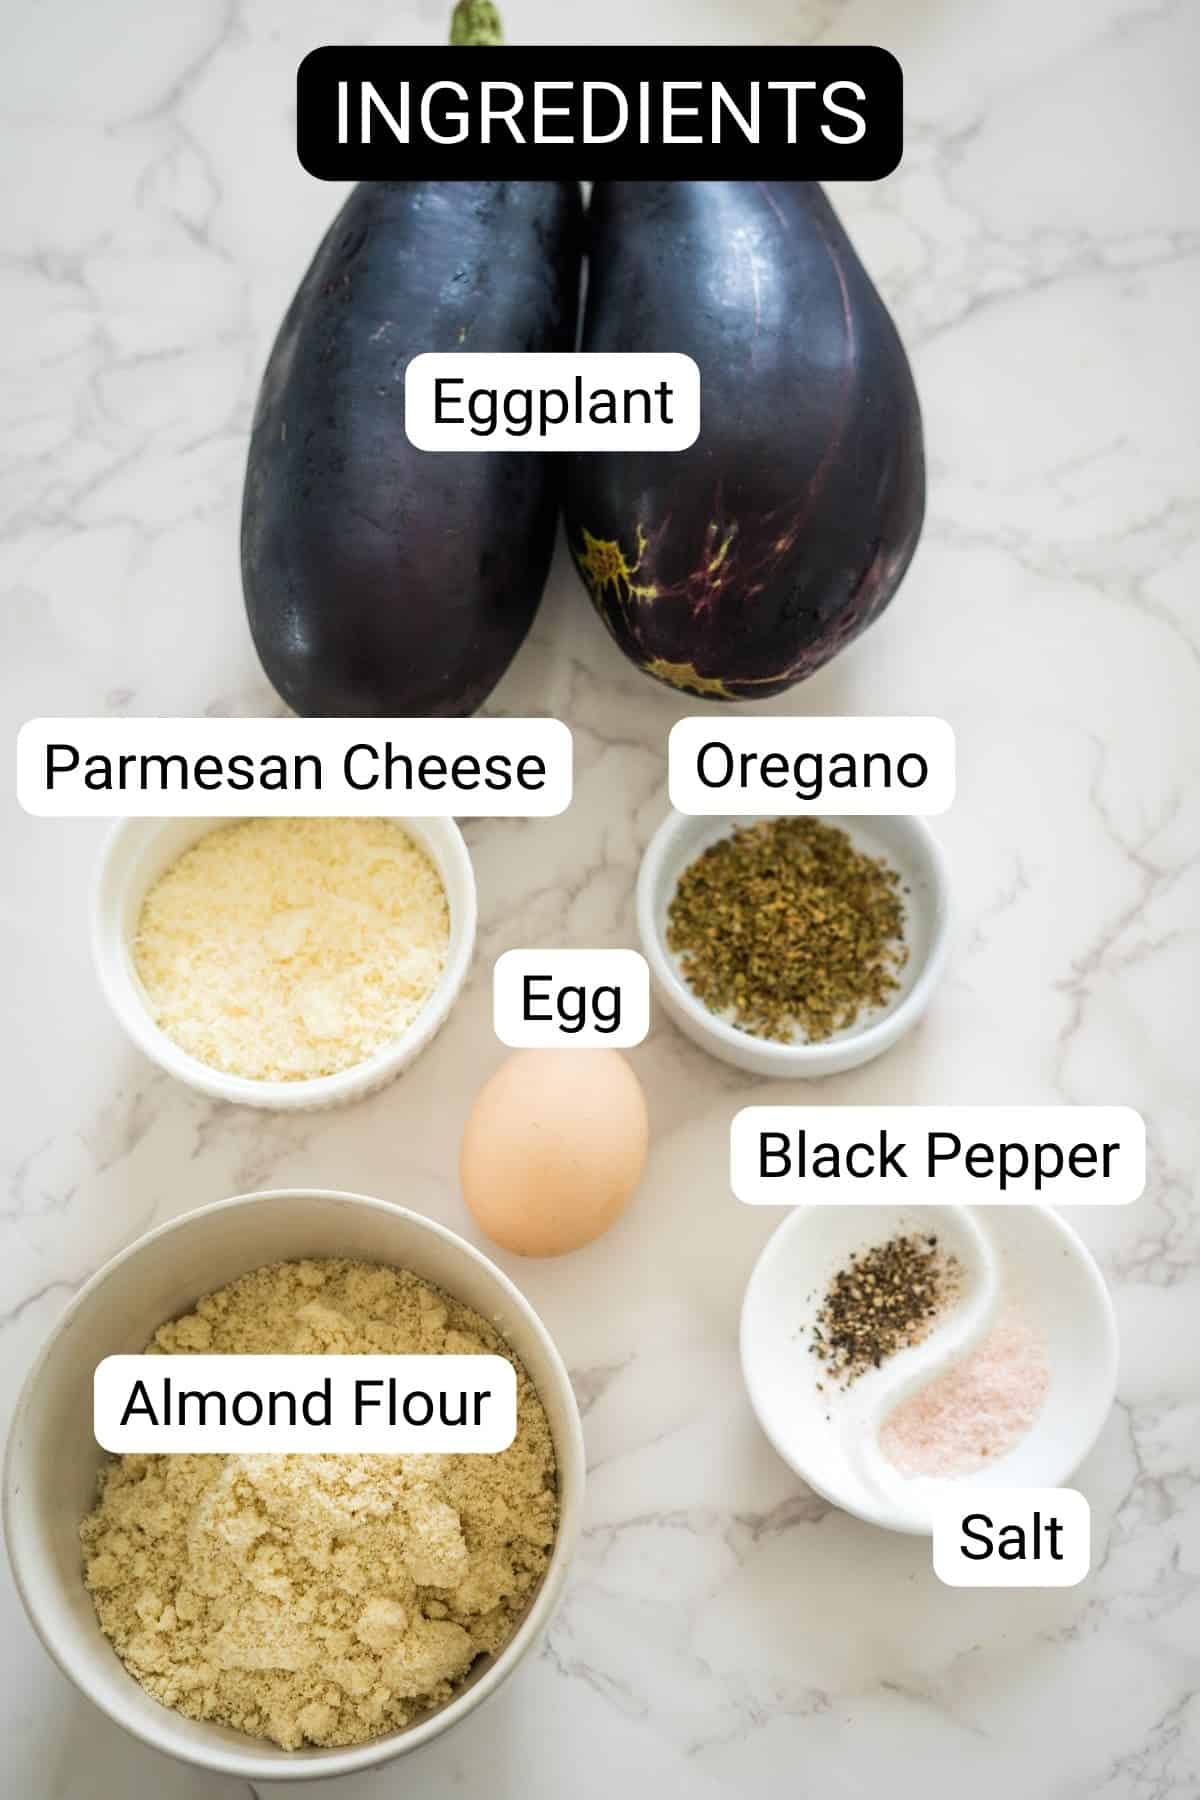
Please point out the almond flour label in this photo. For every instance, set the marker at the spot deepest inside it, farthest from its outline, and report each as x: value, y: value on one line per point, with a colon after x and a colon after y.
x: 248, y: 1405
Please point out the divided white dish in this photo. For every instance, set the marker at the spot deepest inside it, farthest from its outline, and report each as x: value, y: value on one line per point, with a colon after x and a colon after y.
x: 911, y: 848
x: 52, y: 1460
x: 138, y: 851
x: 829, y: 1436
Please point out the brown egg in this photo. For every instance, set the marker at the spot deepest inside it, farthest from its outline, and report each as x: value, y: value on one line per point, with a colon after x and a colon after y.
x: 554, y: 1146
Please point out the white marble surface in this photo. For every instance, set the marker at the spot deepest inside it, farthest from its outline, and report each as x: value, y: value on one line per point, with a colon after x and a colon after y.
x: 725, y: 1634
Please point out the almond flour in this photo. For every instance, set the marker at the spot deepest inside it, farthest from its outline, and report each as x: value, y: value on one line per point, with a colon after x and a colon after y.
x: 321, y: 1599
x: 285, y: 949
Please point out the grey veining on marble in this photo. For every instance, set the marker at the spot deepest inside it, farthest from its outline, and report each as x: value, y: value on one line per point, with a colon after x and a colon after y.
x: 724, y: 1634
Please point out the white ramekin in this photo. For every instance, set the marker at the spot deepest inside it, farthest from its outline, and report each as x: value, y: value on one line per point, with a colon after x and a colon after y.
x: 828, y: 1433
x: 52, y: 1459
x: 908, y: 844
x: 137, y: 851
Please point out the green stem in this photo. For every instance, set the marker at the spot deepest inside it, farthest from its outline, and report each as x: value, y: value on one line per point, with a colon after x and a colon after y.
x: 476, y: 22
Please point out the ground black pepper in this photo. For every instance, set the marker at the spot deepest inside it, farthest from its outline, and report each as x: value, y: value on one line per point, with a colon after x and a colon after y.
x: 789, y: 928
x: 884, y: 1300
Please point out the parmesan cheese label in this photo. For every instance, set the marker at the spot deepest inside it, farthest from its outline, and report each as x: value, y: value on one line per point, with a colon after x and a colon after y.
x: 304, y: 768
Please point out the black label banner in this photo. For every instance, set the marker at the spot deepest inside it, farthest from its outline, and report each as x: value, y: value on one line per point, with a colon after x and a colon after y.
x: 816, y: 112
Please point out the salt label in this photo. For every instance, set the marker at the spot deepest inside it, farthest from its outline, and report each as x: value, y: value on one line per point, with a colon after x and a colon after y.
x: 1011, y: 1537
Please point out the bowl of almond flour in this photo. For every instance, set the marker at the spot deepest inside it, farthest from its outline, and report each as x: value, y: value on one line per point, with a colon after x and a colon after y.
x: 291, y: 1616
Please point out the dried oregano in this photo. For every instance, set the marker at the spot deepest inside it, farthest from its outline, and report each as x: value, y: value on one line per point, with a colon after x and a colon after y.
x: 789, y: 928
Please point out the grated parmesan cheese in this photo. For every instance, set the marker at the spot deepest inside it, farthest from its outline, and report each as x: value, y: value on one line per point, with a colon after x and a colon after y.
x: 285, y: 949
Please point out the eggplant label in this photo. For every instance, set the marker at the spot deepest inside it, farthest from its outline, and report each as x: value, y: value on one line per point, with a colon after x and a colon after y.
x: 777, y: 111
x: 785, y: 766
x: 552, y: 400
x: 571, y: 999
x: 926, y: 1155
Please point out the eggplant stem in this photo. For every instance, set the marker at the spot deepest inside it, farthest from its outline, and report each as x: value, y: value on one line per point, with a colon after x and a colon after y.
x: 476, y: 22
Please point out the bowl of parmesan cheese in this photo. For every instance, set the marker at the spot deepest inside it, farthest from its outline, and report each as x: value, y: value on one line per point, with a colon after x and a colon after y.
x: 287, y: 963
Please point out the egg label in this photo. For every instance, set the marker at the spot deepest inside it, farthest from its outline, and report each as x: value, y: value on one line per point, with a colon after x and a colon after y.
x: 1011, y: 1537
x: 571, y: 999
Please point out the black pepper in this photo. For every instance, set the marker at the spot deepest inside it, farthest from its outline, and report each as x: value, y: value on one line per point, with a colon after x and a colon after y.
x: 884, y: 1300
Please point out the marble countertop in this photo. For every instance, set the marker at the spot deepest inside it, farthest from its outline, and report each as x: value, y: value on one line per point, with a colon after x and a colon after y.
x: 725, y: 1633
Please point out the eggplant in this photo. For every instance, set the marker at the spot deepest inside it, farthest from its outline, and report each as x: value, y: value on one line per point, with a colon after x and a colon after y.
x: 381, y: 580
x: 739, y: 566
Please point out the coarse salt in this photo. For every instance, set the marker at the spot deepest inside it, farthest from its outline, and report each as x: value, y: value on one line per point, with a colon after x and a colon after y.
x: 977, y: 1410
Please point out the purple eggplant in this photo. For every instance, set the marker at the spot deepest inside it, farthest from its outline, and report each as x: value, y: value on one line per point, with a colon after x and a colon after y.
x: 380, y: 579
x: 736, y: 568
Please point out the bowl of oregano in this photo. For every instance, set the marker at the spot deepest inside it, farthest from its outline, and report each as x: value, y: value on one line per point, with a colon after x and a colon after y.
x: 794, y: 947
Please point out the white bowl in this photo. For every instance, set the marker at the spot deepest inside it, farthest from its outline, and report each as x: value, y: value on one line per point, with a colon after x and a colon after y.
x: 52, y: 1460
x: 829, y: 1435
x: 137, y: 851
x: 909, y: 846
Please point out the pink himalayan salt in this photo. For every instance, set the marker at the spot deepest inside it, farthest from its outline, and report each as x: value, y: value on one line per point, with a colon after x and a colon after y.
x: 976, y: 1411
